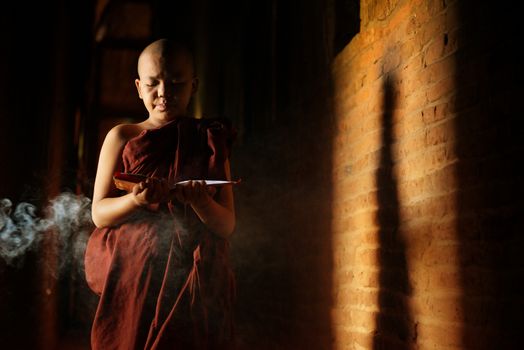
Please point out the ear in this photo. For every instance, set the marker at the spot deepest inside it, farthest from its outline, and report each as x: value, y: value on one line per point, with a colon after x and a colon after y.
x: 137, y: 84
x: 194, y: 86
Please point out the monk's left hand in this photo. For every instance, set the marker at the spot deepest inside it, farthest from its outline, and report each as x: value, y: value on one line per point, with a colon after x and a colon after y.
x: 195, y: 193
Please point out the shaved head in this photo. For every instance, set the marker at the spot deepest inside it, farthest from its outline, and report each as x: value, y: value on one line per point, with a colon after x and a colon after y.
x: 166, y: 79
x: 166, y: 50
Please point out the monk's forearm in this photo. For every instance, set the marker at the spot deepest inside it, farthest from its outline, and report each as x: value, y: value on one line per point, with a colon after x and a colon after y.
x: 217, y: 218
x: 113, y: 211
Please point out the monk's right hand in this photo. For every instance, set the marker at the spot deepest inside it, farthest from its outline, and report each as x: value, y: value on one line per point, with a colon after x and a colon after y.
x: 151, y: 191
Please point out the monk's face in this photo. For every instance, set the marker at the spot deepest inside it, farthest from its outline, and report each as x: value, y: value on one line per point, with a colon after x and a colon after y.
x: 166, y: 84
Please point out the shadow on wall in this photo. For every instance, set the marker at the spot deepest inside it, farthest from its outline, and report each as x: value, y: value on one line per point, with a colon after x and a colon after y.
x: 489, y: 146
x: 393, y: 322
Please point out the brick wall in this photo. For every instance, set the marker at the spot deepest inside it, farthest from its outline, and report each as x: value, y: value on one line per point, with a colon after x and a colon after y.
x: 425, y: 188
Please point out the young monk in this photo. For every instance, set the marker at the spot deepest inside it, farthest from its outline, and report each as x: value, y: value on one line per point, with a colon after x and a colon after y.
x: 158, y: 257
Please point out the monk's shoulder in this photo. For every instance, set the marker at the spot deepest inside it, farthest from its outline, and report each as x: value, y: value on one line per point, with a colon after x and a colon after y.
x: 124, y: 132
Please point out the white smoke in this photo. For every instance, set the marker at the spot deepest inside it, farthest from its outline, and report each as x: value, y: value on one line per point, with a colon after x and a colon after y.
x: 67, y: 218
x: 20, y: 232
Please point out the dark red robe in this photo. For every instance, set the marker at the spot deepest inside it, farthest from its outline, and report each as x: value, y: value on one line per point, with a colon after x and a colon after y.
x: 163, y: 278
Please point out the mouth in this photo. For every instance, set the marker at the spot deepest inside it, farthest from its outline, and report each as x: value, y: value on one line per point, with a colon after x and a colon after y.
x: 161, y: 107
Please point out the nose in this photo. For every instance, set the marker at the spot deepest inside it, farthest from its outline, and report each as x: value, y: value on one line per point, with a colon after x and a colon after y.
x: 164, y: 90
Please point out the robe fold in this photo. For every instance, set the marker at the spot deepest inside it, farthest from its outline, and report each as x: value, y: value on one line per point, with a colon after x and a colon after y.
x: 163, y: 278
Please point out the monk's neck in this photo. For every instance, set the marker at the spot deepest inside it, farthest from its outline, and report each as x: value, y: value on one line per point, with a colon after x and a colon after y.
x: 153, y: 123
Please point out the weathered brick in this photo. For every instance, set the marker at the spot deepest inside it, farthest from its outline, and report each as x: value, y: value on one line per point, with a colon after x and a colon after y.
x: 440, y: 90
x: 452, y: 194
x: 439, y: 336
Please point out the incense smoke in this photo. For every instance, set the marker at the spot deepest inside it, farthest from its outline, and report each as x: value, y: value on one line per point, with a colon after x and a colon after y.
x: 66, y: 218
